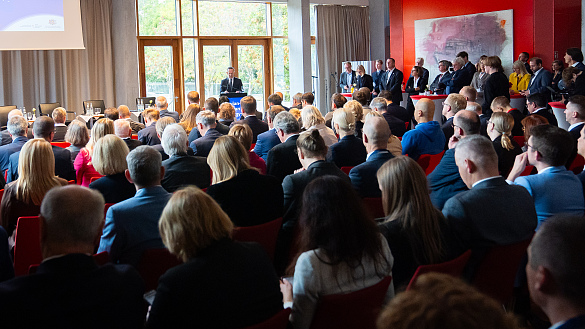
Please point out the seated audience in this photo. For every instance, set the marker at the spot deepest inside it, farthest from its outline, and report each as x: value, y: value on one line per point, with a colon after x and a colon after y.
x: 23, y: 197
x: 243, y: 134
x: 362, y: 98
x: 83, y: 162
x: 147, y: 136
x: 312, y: 119
x: 337, y: 102
x: 528, y: 123
x: 193, y: 97
x: 394, y: 108
x: 268, y: 139
x: 502, y: 104
x: 483, y: 119
x: 206, y: 126
x: 189, y: 121
x: 227, y: 113
x: 78, y: 136
x: 297, y: 101
x: 349, y: 151
x: 124, y: 113
x: 234, y: 276
x: 282, y: 160
x: 160, y: 127
x: 211, y: 104
x: 111, y: 113
x: 395, y: 124
x: 246, y: 196
x: 249, y: 117
x: 581, y: 152
x: 451, y: 106
x: 18, y: 129
x: 123, y: 130
x: 499, y: 131
x: 59, y: 116
x: 413, y: 228
x: 358, y: 112
x: 162, y: 106
x: 5, y: 135
x: 181, y: 169
x: 427, y: 136
x: 307, y: 99
x: 555, y: 190
x: 131, y: 226
x: 341, y: 249
x: 109, y: 159
x: 440, y: 300
x: 69, y: 289
x: 519, y: 79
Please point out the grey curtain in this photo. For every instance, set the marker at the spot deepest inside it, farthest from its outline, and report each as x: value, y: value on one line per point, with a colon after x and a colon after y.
x: 69, y: 77
x: 343, y: 34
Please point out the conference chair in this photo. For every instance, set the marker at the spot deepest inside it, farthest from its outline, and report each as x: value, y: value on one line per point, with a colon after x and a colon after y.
x: 4, y: 114
x: 99, y: 103
x: 265, y: 234
x: 520, y: 140
x: 278, y: 321
x: 47, y: 108
x: 27, y: 244
x: 153, y: 264
x: 428, y: 162
x: 453, y: 267
x: 577, y: 165
x: 358, y: 309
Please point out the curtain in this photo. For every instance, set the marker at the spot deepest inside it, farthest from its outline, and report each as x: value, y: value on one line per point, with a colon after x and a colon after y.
x: 31, y: 77
x: 343, y: 34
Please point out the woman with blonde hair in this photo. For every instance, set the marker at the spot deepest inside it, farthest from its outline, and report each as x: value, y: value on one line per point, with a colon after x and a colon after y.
x: 350, y: 150
x: 519, y: 79
x: 109, y: 159
x: 243, y: 133
x: 227, y: 113
x: 217, y: 273
x: 77, y: 135
x: 313, y: 119
x: 236, y: 183
x: 363, y: 79
x: 479, y: 77
x: 413, y: 227
x: 82, y: 164
x: 188, y: 121
x: 499, y: 130
x: 358, y: 112
x: 36, y: 176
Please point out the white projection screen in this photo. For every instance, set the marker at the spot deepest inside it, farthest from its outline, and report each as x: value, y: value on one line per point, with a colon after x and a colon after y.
x: 40, y: 25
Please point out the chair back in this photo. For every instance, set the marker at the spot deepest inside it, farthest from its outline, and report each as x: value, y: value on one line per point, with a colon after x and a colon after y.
x: 527, y: 171
x: 278, y: 321
x: 61, y: 144
x: 428, y: 162
x: 4, y: 114
x: 153, y: 264
x: 496, y: 272
x: 453, y: 267
x: 265, y: 234
x: 27, y: 244
x: 577, y: 165
x: 47, y: 108
x: 358, y: 309
x: 374, y: 205
x: 520, y: 140
x: 346, y: 170
x: 99, y: 103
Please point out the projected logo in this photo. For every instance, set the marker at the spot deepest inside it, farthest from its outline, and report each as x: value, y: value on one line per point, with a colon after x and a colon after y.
x: 32, y: 15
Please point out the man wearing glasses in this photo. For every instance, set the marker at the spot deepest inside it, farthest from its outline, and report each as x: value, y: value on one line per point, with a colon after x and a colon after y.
x: 438, y: 85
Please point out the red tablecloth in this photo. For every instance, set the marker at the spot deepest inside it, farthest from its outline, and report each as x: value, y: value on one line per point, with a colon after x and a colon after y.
x: 431, y: 97
x: 558, y: 105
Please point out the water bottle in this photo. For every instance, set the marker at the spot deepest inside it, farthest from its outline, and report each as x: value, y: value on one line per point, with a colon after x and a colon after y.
x: 140, y: 105
x: 90, y: 109
x: 24, y: 112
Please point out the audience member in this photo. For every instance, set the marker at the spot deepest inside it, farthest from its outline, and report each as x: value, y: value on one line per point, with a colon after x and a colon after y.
x: 6, y: 268
x: 395, y: 125
x: 268, y: 139
x: 5, y: 135
x: 575, y: 116
x: 313, y: 120
x: 226, y: 114
x: 211, y: 104
x: 147, y: 136
x: 392, y: 81
x: 243, y: 134
x: 540, y: 79
x: 206, y: 126
x: 453, y: 104
x: 123, y: 130
x: 131, y: 226
x: 69, y: 289
x: 78, y: 136
x: 296, y: 101
x: 574, y: 81
x: 459, y: 78
x: 480, y: 76
x: 557, y: 71
x: 124, y: 113
x: 427, y: 136
x: 282, y: 159
x: 59, y: 116
x: 83, y: 162
x: 18, y: 129
x: 394, y: 108
x: 519, y: 79
x: 248, y: 105
x: 439, y: 84
x: 500, y: 132
x: 536, y: 104
x: 189, y: 121
x: 358, y: 113
x: 483, y: 119
x: 307, y: 99
x: 574, y: 57
x: 193, y: 97
x: 350, y: 150
x: 502, y: 104
x: 523, y: 57
x: 581, y: 152
x: 110, y: 113
x: 275, y: 100
x: 363, y: 99
x: 109, y: 159
x: 162, y: 107
x: 469, y: 92
x: 223, y: 99
x: 394, y: 145
x: 160, y: 128
x: 337, y: 102
x: 527, y: 124
x: 496, y: 85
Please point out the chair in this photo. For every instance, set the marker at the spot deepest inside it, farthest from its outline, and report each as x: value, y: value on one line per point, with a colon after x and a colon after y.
x: 358, y: 309
x: 278, y: 321
x: 47, y: 108
x: 527, y: 171
x: 374, y: 205
x: 71, y: 182
x: 99, y: 103
x: 577, y: 164
x: 265, y: 234
x: 4, y: 114
x: 93, y: 179
x: 520, y: 140
x: 428, y: 162
x: 27, y: 244
x: 497, y: 270
x: 147, y: 101
x: 134, y: 136
x: 346, y: 169
x: 453, y: 267
x: 153, y: 264
x: 61, y: 144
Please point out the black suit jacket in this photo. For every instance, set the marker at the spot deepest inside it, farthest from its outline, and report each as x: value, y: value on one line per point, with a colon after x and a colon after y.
x: 114, y: 188
x: 365, y: 81
x: 459, y: 79
x: 496, y: 85
x: 131, y: 143
x: 167, y: 113
x: 201, y: 146
x: 348, y: 152
x: 282, y: 160
x: 470, y: 68
x: 147, y: 136
x: 60, y: 132
x: 448, y: 130
x: 63, y: 165
x: 227, y: 285
x: 398, y: 111
x: 394, y: 84
x: 518, y: 116
x: 237, y: 86
x: 544, y: 112
x: 377, y: 79
x: 249, y: 198
x: 183, y: 170
x: 258, y: 126
x: 397, y: 126
x: 440, y: 80
x: 72, y: 291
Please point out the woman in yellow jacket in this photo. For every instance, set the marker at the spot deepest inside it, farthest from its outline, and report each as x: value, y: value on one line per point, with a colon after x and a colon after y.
x: 519, y: 79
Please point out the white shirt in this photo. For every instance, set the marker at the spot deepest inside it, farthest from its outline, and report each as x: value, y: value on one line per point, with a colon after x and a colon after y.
x: 389, y: 74
x: 483, y: 180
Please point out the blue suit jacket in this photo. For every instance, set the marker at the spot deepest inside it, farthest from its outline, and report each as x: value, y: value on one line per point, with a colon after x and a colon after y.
x: 363, y: 177
x: 574, y: 323
x: 63, y: 165
x: 445, y: 181
x: 147, y: 136
x: 265, y: 142
x: 377, y: 76
x: 132, y: 225
x: 554, y: 191
x: 7, y: 150
x: 167, y: 113
x: 459, y: 79
x: 343, y: 80
x: 435, y: 85
x: 258, y: 126
x: 349, y: 151
x: 540, y: 82
x: 201, y: 146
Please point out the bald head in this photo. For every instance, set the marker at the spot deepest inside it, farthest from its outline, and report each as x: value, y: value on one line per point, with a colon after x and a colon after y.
x: 424, y: 110
x: 14, y: 113
x: 469, y: 93
x: 161, y: 103
x: 376, y: 132
x: 467, y: 123
x: 122, y: 128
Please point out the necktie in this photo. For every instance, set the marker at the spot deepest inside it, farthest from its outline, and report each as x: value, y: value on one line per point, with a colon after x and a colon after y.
x: 231, y: 85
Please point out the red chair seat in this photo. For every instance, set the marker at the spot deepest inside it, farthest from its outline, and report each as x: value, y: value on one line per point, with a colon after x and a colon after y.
x: 453, y: 267
x: 265, y: 234
x: 27, y: 244
x: 153, y: 264
x: 428, y: 162
x: 577, y: 164
x: 346, y: 169
x: 61, y: 144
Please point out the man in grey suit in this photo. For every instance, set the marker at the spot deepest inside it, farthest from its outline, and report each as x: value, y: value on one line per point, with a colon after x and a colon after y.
x: 438, y: 86
x: 347, y: 78
x: 491, y: 213
x: 392, y: 81
x: 541, y: 78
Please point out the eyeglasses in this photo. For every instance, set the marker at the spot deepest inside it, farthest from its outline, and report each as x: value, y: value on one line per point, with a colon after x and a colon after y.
x: 445, y: 103
x: 532, y: 147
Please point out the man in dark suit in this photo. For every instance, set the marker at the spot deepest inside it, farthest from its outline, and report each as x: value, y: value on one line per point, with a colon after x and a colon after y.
x: 131, y: 226
x: 459, y: 78
x: 347, y: 78
x: 451, y: 106
x: 555, y: 271
x: 392, y: 80
x: 182, y: 169
x: 124, y: 113
x: 467, y: 66
x: 394, y: 108
x: 268, y: 139
x: 231, y: 84
x: 575, y: 116
x: 18, y: 128
x: 396, y: 125
x: 541, y: 78
x: 574, y: 58
x: 206, y: 126
x: 377, y: 76
x: 123, y: 130
x: 536, y: 104
x: 160, y: 127
x: 438, y: 86
x: 44, y: 127
x: 248, y: 105
x: 524, y: 57
x: 375, y: 138
x: 481, y: 217
x: 211, y: 104
x: 6, y: 138
x: 59, y: 116
x: 147, y: 136
x: 162, y: 106
x: 69, y: 289
x: 282, y: 160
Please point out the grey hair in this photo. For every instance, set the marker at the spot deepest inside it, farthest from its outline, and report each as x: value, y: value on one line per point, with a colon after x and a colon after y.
x: 206, y: 118
x: 161, y: 102
x: 17, y: 126
x: 379, y: 103
x: 174, y: 140
x: 286, y: 122
x: 144, y: 164
x: 122, y: 128
x: 459, y: 61
x: 478, y: 149
x: 15, y: 112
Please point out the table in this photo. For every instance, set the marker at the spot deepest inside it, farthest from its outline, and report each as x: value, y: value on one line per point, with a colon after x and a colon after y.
x: 559, y: 112
x: 438, y: 100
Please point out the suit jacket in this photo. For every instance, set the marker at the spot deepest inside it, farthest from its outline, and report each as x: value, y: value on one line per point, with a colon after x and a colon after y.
x: 363, y: 176
x: 182, y: 170
x: 249, y: 198
x: 396, y: 125
x: 222, y: 128
x: 445, y: 181
x: 202, y: 146
x: 448, y: 130
x: 7, y: 150
x: 160, y: 149
x: 60, y: 132
x: 227, y: 275
x: 282, y: 160
x: 147, y: 136
x: 63, y: 165
x: 439, y: 84
x: 343, y: 81
x: 132, y: 225
x: 483, y: 121
x: 399, y: 112
x: 478, y: 80
x: 7, y: 139
x: 496, y: 85
x: 237, y: 86
x: 71, y: 291
x: 421, y: 83
x: 574, y: 323
x: 552, y: 120
x: 167, y: 113
x: 365, y: 81
x: 265, y: 142
x: 377, y: 79
x: 470, y: 68
x: 131, y: 143
x: 135, y: 126
x: 294, y: 186
x: 393, y: 83
x: 459, y: 79
x: 115, y: 188
x: 539, y: 82
x: 258, y: 126
x: 348, y: 152
x: 492, y: 213
x: 554, y: 191
x: 518, y: 116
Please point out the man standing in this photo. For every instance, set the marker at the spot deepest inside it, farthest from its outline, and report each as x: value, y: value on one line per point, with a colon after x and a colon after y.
x: 523, y: 57
x: 438, y: 85
x: 248, y: 105
x: 377, y: 76
x: 540, y: 79
x: 467, y: 66
x: 392, y: 81
x: 420, y: 62
x: 162, y: 105
x: 347, y: 78
x: 459, y: 78
x: 231, y: 84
